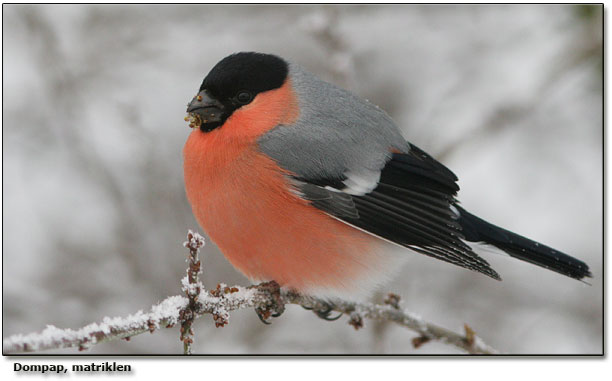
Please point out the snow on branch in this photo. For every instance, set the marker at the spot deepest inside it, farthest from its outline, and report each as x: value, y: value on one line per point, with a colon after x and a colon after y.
x: 164, y: 314
x: 268, y: 300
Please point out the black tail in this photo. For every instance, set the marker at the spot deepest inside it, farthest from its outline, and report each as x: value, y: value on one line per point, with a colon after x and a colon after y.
x: 478, y: 230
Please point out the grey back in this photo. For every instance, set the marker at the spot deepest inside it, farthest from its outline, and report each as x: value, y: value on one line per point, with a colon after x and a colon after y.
x: 336, y: 132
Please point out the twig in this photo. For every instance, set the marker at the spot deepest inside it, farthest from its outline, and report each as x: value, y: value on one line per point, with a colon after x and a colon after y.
x: 164, y: 314
x: 191, y: 287
x: 228, y: 299
x: 468, y: 342
x: 265, y: 297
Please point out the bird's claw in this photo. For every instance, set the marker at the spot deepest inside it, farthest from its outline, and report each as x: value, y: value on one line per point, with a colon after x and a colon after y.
x: 263, y: 315
x: 325, y: 311
x: 275, y: 308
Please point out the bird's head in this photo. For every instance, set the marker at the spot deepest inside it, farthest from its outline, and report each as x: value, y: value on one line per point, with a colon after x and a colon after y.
x: 232, y: 84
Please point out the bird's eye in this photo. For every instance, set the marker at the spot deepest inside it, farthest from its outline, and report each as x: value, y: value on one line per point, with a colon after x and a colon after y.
x: 244, y: 97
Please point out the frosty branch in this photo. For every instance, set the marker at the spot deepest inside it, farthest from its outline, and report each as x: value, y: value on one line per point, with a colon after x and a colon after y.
x: 266, y: 298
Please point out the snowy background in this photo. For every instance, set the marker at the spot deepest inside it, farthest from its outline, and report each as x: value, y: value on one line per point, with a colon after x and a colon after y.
x: 94, y: 209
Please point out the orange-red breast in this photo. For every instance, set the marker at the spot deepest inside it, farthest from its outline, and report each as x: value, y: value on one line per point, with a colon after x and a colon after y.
x: 304, y: 183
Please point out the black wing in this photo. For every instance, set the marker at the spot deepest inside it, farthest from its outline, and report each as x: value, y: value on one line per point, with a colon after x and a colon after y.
x: 411, y: 206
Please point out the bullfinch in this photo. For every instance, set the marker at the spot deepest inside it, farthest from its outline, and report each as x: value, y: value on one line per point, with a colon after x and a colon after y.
x: 299, y: 181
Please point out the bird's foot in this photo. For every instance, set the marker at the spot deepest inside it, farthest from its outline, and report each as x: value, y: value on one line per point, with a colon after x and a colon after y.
x: 275, y: 307
x: 325, y: 311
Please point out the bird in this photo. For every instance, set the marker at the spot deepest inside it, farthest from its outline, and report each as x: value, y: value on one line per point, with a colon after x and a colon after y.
x: 301, y: 182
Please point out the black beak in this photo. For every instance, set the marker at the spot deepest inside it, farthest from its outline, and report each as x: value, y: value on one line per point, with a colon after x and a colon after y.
x: 207, y: 107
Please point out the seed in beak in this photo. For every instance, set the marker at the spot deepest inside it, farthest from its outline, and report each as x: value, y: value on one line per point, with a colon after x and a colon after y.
x: 199, y: 98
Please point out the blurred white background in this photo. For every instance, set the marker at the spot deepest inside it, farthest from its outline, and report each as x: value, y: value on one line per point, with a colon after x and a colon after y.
x: 94, y: 212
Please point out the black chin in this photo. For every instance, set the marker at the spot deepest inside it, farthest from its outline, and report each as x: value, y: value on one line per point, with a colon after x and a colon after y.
x: 207, y: 127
